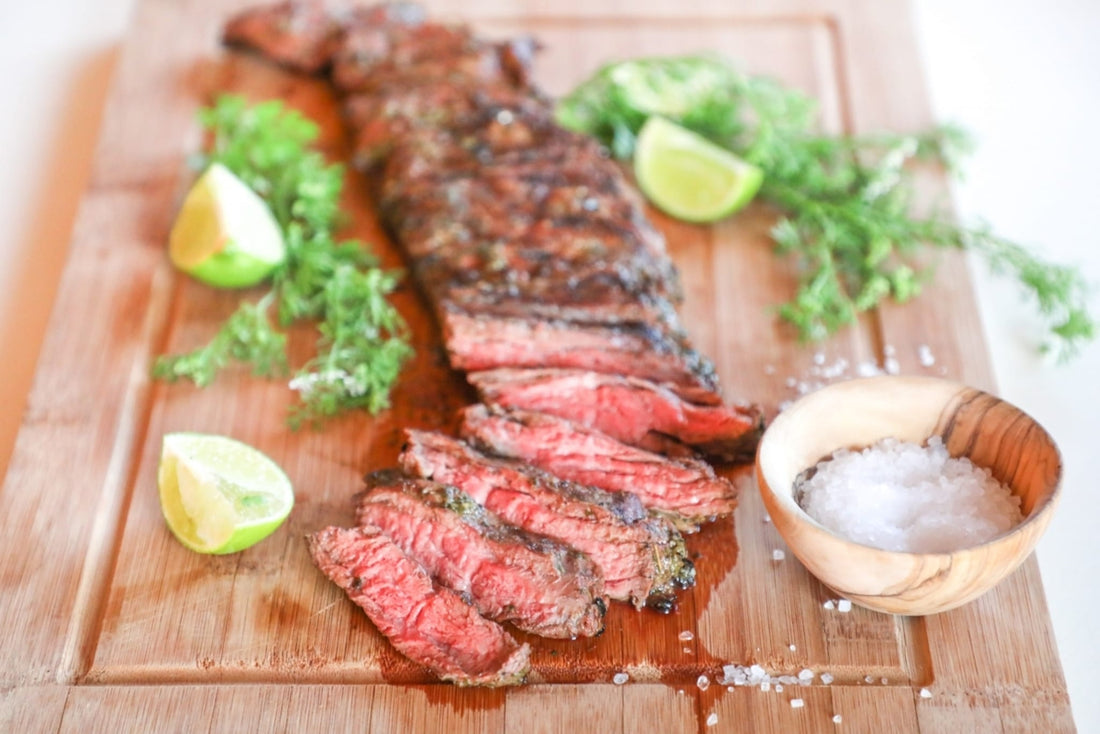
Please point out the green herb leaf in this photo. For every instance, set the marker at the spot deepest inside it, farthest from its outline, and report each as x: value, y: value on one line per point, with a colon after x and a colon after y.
x: 846, y: 200
x: 362, y: 346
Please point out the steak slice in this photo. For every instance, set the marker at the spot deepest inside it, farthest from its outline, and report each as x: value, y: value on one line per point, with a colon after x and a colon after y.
x: 299, y: 36
x: 626, y: 408
x: 642, y: 558
x: 539, y: 585
x: 687, y: 490
x: 429, y: 624
x: 477, y: 343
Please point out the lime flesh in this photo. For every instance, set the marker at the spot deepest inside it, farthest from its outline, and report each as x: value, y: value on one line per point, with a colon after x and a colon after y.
x: 219, y: 495
x: 690, y: 178
x: 225, y: 234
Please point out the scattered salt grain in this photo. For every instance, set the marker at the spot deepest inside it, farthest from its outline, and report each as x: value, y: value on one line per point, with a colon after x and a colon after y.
x: 891, y: 366
x: 767, y: 518
x: 766, y: 686
x: 703, y: 682
x: 819, y: 358
x: 868, y: 679
x: 712, y: 719
x: 620, y: 678
x: 903, y: 497
x: 792, y: 647
x: 797, y: 703
x: 687, y: 649
x: 687, y: 635
x: 925, y: 356
x: 778, y: 555
x: 826, y: 678
x: 837, y: 718
x: 805, y: 676
x: 885, y: 681
x: 829, y: 605
x: 925, y: 693
x: 844, y: 606
x: 867, y: 369
x: 778, y: 687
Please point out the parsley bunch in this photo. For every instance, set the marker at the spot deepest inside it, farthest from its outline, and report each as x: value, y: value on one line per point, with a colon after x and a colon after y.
x: 846, y: 201
x: 363, y: 339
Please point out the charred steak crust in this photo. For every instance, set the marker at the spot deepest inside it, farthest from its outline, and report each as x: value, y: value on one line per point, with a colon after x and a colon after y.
x: 539, y: 585
x: 642, y: 558
x: 427, y: 623
x: 686, y: 490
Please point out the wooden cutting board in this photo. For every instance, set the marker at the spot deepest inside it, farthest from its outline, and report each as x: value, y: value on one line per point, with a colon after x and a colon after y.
x: 111, y: 624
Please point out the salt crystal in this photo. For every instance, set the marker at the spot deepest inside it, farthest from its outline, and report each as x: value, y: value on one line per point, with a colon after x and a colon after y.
x: 885, y: 681
x: 829, y: 605
x: 891, y: 366
x: 792, y: 647
x: 712, y: 719
x: 687, y: 649
x: 837, y: 718
x: 797, y: 703
x: 778, y: 687
x: 766, y: 686
x: 819, y: 358
x: 767, y: 518
x: 844, y: 605
x: 769, y: 369
x: 792, y: 381
x: 805, y: 675
x: 826, y: 678
x: 925, y: 693
x: 778, y: 555
x: 889, y: 350
x: 687, y: 635
x: 867, y: 369
x: 925, y: 356
x: 703, y: 682
x: 620, y: 678
x: 900, y: 496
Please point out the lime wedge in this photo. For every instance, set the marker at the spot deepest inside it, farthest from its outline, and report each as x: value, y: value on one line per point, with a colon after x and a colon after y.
x: 219, y: 495
x: 225, y: 234
x: 688, y: 177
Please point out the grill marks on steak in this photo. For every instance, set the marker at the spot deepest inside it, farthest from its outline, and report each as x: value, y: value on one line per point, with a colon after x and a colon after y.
x: 642, y: 558
x: 687, y: 490
x: 427, y: 623
x: 628, y: 409
x: 539, y: 585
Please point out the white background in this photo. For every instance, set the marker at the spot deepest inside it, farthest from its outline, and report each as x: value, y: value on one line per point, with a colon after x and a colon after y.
x: 1024, y: 76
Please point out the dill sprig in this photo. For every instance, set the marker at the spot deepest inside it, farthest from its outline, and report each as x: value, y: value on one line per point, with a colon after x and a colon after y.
x: 846, y: 202
x: 362, y: 345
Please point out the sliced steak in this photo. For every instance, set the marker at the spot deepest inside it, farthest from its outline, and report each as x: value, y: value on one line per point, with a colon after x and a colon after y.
x: 687, y: 490
x: 481, y: 343
x: 626, y: 408
x: 427, y: 623
x: 642, y: 559
x: 300, y: 36
x: 539, y: 585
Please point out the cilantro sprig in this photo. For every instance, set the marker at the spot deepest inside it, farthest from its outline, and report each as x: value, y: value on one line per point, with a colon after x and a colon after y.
x: 847, y: 211
x: 362, y: 343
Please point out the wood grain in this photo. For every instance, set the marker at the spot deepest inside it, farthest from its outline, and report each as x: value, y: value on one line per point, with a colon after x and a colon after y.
x: 112, y: 621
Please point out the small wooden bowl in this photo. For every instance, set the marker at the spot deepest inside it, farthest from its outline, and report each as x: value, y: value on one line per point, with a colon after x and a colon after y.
x: 856, y: 414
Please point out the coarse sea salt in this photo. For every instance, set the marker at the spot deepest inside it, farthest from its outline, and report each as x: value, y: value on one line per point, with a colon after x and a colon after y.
x: 900, y: 496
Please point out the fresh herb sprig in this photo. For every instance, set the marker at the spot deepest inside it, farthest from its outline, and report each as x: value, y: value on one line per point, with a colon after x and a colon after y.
x: 848, y: 215
x: 363, y: 339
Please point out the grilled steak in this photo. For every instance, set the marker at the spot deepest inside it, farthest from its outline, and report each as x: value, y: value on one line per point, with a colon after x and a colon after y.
x: 686, y: 489
x: 427, y: 623
x: 642, y: 558
x: 508, y: 575
x: 300, y: 36
x: 482, y: 343
x: 626, y: 408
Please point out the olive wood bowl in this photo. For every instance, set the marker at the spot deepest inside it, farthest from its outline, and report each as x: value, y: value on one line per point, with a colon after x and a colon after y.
x: 856, y: 414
